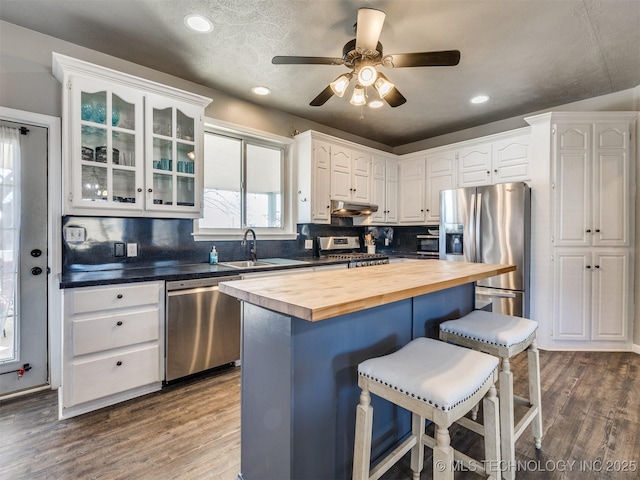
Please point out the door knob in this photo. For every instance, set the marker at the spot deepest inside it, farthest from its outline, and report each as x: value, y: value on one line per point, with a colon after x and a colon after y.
x: 36, y: 271
x: 36, y: 252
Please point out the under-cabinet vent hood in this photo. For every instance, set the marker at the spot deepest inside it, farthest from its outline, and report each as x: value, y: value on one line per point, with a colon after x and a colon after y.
x: 351, y: 209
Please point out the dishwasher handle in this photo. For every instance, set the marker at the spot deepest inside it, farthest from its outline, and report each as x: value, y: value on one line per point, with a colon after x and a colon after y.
x: 195, y: 283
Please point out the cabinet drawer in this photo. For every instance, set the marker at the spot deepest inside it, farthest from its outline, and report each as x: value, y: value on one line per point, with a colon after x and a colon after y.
x: 114, y: 331
x: 106, y: 298
x: 103, y: 376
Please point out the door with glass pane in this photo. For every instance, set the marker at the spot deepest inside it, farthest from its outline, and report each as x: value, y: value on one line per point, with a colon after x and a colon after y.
x: 107, y: 154
x: 174, y: 133
x: 23, y: 246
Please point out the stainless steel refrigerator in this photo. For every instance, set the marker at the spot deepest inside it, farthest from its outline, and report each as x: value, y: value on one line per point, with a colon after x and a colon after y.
x: 491, y: 224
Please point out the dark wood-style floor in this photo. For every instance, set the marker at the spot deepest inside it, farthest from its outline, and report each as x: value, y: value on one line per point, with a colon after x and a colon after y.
x: 591, y: 416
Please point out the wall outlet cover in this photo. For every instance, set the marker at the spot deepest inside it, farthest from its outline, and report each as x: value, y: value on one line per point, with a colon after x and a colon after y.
x: 118, y: 249
x: 132, y: 249
x: 308, y: 244
x: 74, y: 234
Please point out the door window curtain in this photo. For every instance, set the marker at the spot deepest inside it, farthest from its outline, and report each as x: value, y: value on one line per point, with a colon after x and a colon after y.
x: 9, y: 226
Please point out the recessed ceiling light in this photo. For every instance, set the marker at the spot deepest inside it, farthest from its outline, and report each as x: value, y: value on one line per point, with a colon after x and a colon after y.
x: 479, y: 99
x: 261, y: 90
x: 198, y: 23
x: 375, y: 103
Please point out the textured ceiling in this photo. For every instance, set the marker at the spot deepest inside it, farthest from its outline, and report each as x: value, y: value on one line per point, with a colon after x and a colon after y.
x: 526, y: 55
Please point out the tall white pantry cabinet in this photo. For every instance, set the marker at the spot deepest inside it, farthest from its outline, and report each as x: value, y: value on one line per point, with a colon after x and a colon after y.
x: 591, y: 241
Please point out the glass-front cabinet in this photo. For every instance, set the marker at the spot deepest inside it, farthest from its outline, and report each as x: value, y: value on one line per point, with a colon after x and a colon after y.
x: 107, y: 146
x: 131, y: 147
x: 172, y: 181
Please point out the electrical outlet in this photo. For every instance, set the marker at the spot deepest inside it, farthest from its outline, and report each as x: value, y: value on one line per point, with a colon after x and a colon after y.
x: 132, y: 249
x: 386, y: 242
x: 308, y: 244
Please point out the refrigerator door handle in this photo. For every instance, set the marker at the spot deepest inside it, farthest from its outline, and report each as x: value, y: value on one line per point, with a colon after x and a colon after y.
x: 487, y: 292
x: 472, y: 229
x: 478, y: 230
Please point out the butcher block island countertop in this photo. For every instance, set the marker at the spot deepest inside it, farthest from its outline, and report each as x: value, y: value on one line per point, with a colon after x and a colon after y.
x: 321, y: 295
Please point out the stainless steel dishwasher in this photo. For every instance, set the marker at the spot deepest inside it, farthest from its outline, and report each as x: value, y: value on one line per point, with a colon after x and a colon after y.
x: 203, y: 326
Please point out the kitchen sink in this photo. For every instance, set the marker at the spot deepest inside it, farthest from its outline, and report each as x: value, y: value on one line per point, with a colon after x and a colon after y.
x: 246, y: 264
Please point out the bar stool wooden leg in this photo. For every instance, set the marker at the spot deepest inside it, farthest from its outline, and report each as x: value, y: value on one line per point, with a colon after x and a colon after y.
x: 442, y: 455
x: 417, y: 451
x: 491, y: 432
x: 506, y: 420
x: 362, y: 441
x: 534, y: 392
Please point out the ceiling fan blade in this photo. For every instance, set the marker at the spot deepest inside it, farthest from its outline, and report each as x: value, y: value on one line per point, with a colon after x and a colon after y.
x: 368, y: 28
x: 283, y: 60
x: 394, y: 98
x: 322, y: 98
x: 446, y: 58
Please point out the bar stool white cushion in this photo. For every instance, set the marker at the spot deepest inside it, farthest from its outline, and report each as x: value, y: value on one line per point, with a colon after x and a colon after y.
x: 434, y: 372
x: 492, y: 328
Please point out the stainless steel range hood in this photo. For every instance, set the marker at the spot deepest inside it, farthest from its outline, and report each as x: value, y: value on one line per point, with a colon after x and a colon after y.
x: 352, y: 209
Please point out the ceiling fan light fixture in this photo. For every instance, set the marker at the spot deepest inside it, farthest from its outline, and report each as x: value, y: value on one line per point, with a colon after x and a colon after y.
x: 261, y: 90
x: 340, y: 84
x: 198, y: 23
x: 358, y: 98
x: 367, y: 76
x: 375, y: 104
x: 383, y: 86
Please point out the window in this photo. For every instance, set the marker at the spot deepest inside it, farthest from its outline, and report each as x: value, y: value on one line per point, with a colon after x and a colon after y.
x: 245, y: 186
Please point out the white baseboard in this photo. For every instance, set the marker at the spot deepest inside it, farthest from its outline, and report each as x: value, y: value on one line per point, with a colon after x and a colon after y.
x: 635, y: 348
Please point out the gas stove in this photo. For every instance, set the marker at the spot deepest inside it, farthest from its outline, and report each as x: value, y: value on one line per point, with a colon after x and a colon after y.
x: 346, y: 248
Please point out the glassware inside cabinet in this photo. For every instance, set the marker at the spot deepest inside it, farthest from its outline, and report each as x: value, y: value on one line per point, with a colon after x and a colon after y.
x: 124, y: 149
x: 162, y: 154
x: 123, y: 114
x: 186, y: 191
x: 163, y: 122
x: 94, y: 183
x: 184, y: 126
x: 186, y: 157
x: 124, y: 186
x: 94, y: 139
x: 94, y: 107
x: 162, y: 189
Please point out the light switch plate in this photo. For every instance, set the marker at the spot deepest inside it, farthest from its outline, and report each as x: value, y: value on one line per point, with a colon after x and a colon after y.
x: 75, y: 234
x: 132, y: 249
x: 308, y: 244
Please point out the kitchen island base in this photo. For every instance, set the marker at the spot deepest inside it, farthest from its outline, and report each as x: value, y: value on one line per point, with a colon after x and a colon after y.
x: 300, y: 387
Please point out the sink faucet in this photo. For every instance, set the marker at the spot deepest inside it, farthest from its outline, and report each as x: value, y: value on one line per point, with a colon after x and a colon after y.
x: 254, y: 246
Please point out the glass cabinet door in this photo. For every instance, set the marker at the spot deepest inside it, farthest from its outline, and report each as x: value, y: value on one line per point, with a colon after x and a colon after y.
x: 107, y: 148
x: 172, y: 182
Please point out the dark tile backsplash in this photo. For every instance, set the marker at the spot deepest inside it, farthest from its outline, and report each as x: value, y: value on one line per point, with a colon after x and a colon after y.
x: 170, y: 242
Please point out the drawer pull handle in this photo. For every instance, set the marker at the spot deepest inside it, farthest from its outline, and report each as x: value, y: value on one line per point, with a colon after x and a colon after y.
x: 118, y: 363
x: 119, y: 295
x: 119, y: 323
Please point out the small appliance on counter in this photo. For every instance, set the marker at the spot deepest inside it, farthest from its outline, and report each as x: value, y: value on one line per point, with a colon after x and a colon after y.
x: 428, y: 245
x: 348, y: 248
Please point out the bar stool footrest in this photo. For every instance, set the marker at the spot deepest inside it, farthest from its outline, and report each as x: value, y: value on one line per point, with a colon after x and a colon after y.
x: 392, y: 458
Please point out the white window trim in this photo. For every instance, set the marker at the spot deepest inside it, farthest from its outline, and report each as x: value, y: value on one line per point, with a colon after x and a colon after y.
x: 288, y: 230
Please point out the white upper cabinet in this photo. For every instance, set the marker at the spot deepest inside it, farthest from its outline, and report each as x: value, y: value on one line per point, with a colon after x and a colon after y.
x: 313, y: 157
x: 440, y: 168
x: 384, y: 191
x: 592, y: 184
x: 412, y: 186
x: 350, y: 174
x: 131, y: 147
x: 501, y: 158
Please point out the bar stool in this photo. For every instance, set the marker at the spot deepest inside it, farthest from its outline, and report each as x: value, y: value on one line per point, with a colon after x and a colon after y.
x: 504, y: 336
x: 434, y: 381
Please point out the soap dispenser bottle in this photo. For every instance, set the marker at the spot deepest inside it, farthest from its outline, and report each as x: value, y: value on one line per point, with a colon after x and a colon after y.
x: 213, y: 255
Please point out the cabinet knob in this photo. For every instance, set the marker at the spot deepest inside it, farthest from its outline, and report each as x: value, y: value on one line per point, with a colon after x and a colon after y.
x: 597, y: 266
x: 495, y: 171
x: 119, y: 295
x: 328, y: 206
x: 588, y: 267
x: 119, y: 323
x: 150, y: 190
x: 588, y: 230
x: 118, y: 363
x: 598, y: 230
x: 427, y: 209
x: 139, y: 190
x: 488, y: 172
x: 422, y: 210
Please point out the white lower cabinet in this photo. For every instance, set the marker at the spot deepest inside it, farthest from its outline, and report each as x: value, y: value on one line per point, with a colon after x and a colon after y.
x: 113, y: 345
x: 592, y: 295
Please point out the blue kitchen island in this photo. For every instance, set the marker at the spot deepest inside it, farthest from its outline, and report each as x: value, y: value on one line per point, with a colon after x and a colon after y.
x: 302, y: 338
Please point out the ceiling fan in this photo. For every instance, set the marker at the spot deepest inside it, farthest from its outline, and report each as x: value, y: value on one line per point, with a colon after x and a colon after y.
x: 362, y: 55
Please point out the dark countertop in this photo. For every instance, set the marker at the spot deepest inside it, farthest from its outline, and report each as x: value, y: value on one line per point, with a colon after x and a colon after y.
x: 171, y: 272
